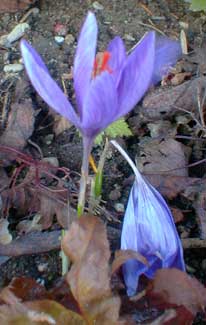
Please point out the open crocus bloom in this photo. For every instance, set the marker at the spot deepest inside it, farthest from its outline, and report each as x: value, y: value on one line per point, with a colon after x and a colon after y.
x: 149, y: 229
x: 109, y: 94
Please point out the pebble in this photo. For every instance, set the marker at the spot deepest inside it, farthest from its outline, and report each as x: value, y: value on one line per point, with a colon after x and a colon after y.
x: 69, y: 39
x: 96, y: 5
x: 59, y: 40
x: 129, y: 37
x: 114, y: 195
x: 52, y: 161
x: 49, y: 138
x: 17, y: 32
x: 42, y: 267
x: 119, y: 207
x: 13, y: 68
x: 60, y: 29
x: 14, y: 35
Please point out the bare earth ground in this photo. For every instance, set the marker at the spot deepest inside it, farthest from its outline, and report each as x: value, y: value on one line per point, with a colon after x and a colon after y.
x: 129, y: 19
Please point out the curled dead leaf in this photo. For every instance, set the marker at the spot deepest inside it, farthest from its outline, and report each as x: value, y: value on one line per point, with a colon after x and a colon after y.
x: 121, y: 256
x: 87, y: 246
x: 178, y: 288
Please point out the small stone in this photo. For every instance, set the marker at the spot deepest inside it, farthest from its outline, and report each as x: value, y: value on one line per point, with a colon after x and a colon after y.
x: 49, y: 138
x: 60, y: 29
x: 59, y: 40
x: 13, y: 68
x: 42, y: 267
x: 52, y: 161
x: 17, y: 32
x: 69, y: 39
x: 129, y: 37
x: 96, y: 5
x: 119, y: 207
x: 114, y: 195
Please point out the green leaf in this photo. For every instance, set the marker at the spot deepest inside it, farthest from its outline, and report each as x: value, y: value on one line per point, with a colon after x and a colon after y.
x: 118, y: 128
x: 197, y: 5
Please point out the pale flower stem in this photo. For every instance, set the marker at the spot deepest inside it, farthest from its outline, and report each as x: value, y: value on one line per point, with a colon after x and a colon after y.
x: 129, y: 160
x: 87, y: 147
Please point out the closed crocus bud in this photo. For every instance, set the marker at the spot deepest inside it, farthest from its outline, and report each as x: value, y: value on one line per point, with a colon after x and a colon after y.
x: 149, y: 229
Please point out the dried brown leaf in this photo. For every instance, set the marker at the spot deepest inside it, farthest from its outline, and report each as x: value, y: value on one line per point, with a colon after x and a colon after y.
x: 168, y: 156
x: 32, y: 243
x: 14, y: 5
x: 169, y: 185
x: 164, y: 101
x: 87, y: 246
x: 121, y: 256
x: 178, y: 288
x: 37, y: 312
x: 27, y: 289
x: 61, y: 124
x: 26, y: 226
x: 20, y: 125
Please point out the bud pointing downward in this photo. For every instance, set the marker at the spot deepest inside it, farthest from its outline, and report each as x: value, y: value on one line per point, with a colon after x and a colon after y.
x: 149, y: 229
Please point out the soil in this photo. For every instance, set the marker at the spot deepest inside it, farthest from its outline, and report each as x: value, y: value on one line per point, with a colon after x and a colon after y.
x: 129, y: 19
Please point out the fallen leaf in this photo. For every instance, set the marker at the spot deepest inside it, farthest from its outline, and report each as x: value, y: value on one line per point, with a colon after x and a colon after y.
x: 178, y: 288
x: 167, y: 101
x: 14, y: 5
x: 32, y: 243
x: 167, y: 156
x: 60, y: 124
x: 27, y: 289
x: 179, y: 78
x: 26, y: 226
x: 177, y: 214
x: 20, y: 125
x: 35, y: 312
x: 170, y: 186
x: 121, y: 256
x: 198, y: 57
x: 5, y: 236
x: 87, y: 247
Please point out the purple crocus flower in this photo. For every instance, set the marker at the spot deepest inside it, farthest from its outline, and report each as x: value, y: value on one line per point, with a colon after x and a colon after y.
x: 149, y: 229
x: 121, y: 83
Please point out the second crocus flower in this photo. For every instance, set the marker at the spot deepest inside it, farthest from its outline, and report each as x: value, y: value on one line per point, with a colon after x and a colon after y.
x: 149, y: 229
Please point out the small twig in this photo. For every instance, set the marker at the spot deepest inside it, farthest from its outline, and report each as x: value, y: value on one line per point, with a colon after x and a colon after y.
x: 35, y: 145
x: 190, y: 243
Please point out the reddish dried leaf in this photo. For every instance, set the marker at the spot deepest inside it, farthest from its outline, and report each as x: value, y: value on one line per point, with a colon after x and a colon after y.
x: 59, y: 313
x: 177, y: 288
x: 87, y: 246
x: 20, y: 125
x: 27, y: 289
x: 14, y: 5
x: 121, y: 256
x: 36, y: 312
x: 32, y: 243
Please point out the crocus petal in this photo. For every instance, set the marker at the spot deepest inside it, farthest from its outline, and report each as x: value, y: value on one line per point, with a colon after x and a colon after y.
x: 149, y: 229
x: 117, y: 51
x: 45, y: 85
x: 84, y: 59
x: 167, y: 52
x: 100, y: 105
x: 137, y: 73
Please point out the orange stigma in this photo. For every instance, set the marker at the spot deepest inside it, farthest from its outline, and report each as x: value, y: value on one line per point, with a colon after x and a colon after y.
x: 101, y: 63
